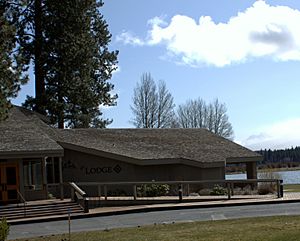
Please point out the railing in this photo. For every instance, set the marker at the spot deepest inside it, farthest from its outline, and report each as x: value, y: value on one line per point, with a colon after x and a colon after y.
x: 179, y: 188
x: 78, y: 195
x: 20, y: 196
x: 228, y: 184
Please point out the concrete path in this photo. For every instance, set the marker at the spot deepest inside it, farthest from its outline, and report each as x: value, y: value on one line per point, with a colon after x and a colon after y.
x: 190, y: 203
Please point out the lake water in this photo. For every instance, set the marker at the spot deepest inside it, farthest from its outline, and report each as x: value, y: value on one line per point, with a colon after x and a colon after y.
x: 288, y: 177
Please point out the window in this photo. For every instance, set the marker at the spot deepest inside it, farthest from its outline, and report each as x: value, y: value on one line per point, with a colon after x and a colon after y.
x: 33, y: 175
x: 52, y: 170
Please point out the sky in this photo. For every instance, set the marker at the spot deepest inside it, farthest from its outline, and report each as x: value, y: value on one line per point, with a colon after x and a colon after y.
x: 245, y: 53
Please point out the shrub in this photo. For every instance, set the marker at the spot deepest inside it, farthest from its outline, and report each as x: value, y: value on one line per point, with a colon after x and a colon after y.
x: 218, y: 190
x: 153, y: 190
x: 267, y: 188
x: 205, y: 192
x: 117, y: 193
x: 4, y: 229
x: 246, y: 190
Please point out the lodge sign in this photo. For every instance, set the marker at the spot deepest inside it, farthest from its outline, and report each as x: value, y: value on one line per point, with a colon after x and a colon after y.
x: 102, y: 170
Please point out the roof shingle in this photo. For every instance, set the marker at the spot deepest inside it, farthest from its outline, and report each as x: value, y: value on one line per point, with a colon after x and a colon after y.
x: 21, y: 133
x: 25, y: 131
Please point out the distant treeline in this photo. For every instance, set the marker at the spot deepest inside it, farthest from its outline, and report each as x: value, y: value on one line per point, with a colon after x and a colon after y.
x: 280, y: 156
x: 287, y: 158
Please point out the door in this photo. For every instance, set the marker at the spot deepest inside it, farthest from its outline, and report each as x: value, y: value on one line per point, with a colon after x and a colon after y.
x: 9, y: 182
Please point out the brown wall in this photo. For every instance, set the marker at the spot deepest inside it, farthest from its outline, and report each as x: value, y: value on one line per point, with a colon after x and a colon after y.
x: 82, y: 167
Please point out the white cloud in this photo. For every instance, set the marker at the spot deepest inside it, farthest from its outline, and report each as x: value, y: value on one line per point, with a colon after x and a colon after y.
x: 129, y: 38
x: 261, y: 30
x: 158, y: 21
x: 279, y: 135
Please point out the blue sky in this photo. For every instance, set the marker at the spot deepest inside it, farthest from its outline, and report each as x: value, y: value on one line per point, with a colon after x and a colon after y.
x: 246, y: 53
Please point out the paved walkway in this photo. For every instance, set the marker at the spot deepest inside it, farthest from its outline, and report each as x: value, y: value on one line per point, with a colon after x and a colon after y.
x: 151, y: 218
x: 188, y: 203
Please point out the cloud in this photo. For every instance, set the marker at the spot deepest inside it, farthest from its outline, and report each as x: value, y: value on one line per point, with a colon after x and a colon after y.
x: 259, y: 31
x: 129, y: 38
x: 279, y: 135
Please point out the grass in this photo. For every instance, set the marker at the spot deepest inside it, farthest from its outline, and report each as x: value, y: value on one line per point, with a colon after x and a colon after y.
x: 249, y: 229
x: 282, y: 169
x: 291, y: 187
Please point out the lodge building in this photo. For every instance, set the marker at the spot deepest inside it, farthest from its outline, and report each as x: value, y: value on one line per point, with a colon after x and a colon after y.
x: 34, y: 157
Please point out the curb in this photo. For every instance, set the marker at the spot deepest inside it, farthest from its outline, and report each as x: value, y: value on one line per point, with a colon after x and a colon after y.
x: 145, y: 210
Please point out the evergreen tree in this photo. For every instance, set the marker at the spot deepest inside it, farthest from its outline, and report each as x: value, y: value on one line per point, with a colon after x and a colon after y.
x: 12, y: 63
x: 77, y: 86
x: 68, y: 42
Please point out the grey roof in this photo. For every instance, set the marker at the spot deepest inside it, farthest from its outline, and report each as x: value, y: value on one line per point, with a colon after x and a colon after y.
x: 197, y: 145
x: 25, y: 131
x: 20, y: 134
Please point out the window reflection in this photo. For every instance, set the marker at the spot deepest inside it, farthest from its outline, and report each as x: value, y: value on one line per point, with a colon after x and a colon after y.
x: 33, y: 177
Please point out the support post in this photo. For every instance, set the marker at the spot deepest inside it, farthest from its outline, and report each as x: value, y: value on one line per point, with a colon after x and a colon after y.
x: 134, y: 193
x: 99, y: 192
x: 61, y: 179
x: 72, y: 194
x: 278, y: 188
x: 252, y: 173
x: 281, y: 188
x: 228, y: 190
x: 44, y: 175
x: 188, y: 189
x: 105, y: 192
x: 180, y: 192
x: 251, y: 170
x: 53, y: 170
x: 86, y: 204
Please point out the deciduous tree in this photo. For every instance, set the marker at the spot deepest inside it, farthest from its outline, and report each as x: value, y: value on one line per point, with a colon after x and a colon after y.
x: 212, y: 116
x: 153, y: 105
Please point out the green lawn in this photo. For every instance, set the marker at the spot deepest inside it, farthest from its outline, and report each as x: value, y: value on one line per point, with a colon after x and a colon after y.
x: 291, y: 187
x: 278, y: 228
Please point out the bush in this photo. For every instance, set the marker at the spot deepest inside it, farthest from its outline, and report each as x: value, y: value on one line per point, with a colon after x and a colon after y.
x: 246, y: 190
x: 117, y: 193
x: 205, y: 192
x: 265, y: 189
x: 218, y: 190
x: 4, y: 229
x: 268, y: 188
x: 153, y: 190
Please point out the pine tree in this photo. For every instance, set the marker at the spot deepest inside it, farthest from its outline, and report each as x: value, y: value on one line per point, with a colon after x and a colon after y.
x: 12, y: 63
x: 68, y: 42
x: 84, y: 64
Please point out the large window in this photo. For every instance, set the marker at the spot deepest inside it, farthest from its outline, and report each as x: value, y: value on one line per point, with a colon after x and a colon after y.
x: 33, y: 174
x: 52, y: 170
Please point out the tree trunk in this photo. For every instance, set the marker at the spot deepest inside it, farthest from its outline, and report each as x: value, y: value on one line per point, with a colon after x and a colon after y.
x: 39, y: 77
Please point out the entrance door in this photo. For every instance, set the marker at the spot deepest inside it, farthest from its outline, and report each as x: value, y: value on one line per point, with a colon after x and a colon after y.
x: 9, y: 182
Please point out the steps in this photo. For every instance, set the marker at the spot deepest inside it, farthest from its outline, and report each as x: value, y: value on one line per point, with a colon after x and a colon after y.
x: 34, y: 210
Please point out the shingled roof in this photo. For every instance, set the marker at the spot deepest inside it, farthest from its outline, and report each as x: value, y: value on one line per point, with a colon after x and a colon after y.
x: 190, y: 146
x: 21, y: 136
x: 24, y: 131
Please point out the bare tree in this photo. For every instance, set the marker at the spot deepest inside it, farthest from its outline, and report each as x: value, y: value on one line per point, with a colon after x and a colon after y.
x: 221, y: 124
x: 153, y: 106
x: 165, y: 112
x: 212, y: 116
x: 192, y: 114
